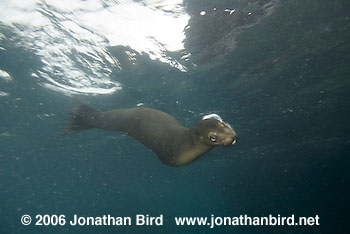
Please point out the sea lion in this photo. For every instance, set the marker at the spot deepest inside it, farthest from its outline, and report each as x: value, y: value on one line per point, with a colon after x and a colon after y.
x: 174, y: 144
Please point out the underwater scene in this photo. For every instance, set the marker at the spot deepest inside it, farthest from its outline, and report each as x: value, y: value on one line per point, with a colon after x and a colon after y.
x: 174, y: 116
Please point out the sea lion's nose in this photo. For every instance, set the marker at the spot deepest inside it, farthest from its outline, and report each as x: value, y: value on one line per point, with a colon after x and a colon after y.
x: 234, y: 139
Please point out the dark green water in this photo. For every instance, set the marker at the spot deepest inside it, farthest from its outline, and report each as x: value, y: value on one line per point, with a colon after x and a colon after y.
x: 280, y: 79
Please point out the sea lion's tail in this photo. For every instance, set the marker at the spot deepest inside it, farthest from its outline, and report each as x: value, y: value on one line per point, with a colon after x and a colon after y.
x: 81, y: 118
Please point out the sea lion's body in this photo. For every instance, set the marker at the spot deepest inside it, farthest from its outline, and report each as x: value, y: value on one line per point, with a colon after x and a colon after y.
x: 174, y: 144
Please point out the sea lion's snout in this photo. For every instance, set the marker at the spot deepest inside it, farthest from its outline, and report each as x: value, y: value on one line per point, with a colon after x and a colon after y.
x: 230, y: 140
x: 234, y: 140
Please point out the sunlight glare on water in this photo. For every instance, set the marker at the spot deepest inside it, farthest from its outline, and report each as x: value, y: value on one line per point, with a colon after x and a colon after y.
x: 71, y: 38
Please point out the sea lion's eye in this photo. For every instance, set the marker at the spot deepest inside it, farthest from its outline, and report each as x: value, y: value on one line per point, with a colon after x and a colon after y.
x: 213, y: 138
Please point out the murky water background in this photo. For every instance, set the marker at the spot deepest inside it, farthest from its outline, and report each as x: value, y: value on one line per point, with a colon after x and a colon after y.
x: 277, y: 71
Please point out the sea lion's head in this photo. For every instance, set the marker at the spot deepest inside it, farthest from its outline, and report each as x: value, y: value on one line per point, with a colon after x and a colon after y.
x: 215, y: 132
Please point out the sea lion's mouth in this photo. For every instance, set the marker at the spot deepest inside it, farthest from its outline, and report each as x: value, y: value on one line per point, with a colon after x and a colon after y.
x: 233, y: 142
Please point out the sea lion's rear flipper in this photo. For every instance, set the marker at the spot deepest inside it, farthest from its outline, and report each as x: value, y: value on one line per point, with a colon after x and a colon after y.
x: 81, y: 118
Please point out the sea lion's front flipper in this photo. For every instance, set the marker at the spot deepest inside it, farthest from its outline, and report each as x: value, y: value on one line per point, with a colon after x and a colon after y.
x: 81, y: 118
